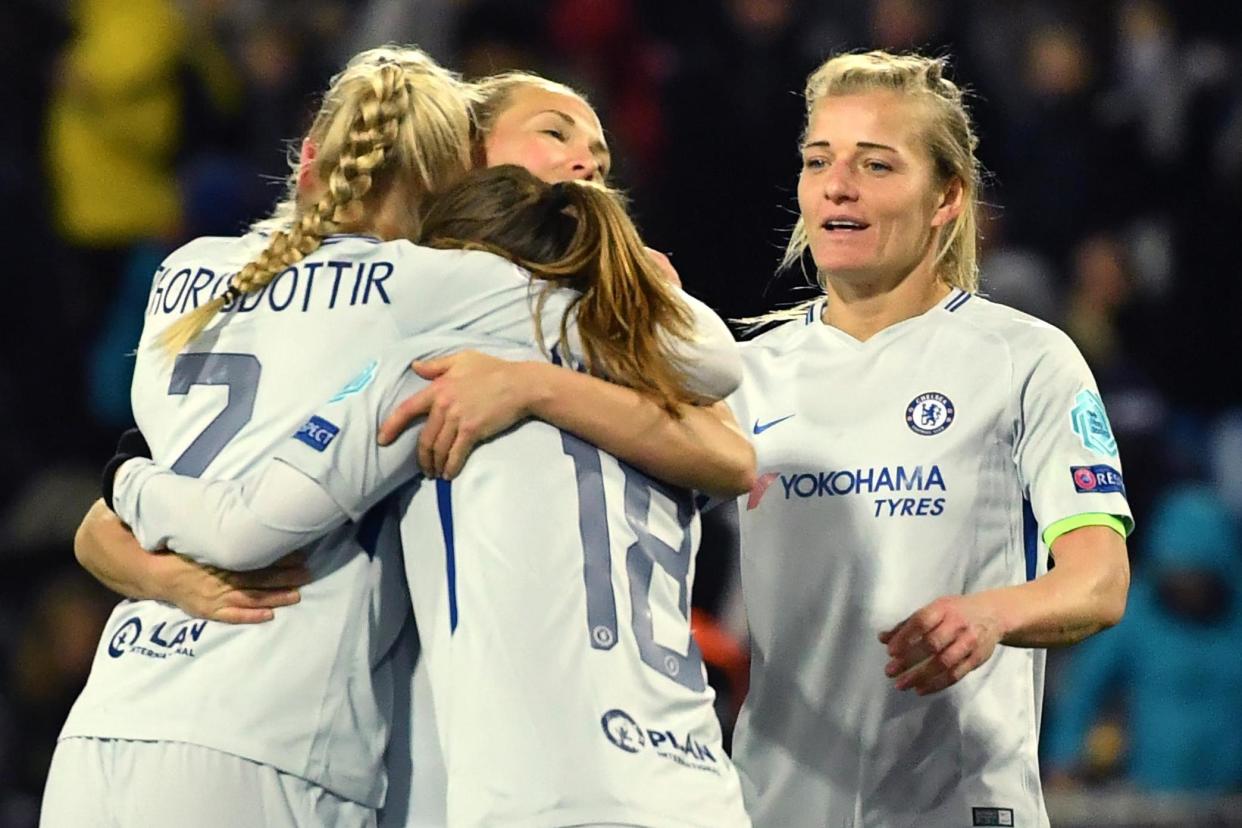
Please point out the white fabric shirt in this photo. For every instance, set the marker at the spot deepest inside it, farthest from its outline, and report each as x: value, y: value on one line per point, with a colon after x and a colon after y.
x: 307, y: 692
x: 551, y: 584
x: 920, y: 463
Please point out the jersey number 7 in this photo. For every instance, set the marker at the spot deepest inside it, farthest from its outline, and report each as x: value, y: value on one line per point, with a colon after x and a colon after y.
x: 641, y: 558
x: 240, y: 373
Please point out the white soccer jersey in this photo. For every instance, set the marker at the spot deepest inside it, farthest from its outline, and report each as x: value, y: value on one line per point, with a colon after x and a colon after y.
x: 923, y: 462
x: 551, y: 583
x: 297, y: 692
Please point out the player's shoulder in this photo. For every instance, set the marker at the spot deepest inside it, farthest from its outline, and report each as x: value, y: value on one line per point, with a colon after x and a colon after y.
x: 214, y: 249
x: 1022, y: 333
x: 785, y: 333
x: 454, y: 260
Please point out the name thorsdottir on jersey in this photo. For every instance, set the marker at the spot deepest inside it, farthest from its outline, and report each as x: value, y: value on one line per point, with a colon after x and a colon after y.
x: 301, y: 287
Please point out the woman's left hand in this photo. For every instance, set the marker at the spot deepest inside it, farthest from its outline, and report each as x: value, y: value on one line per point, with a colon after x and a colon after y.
x: 472, y: 396
x: 941, y: 643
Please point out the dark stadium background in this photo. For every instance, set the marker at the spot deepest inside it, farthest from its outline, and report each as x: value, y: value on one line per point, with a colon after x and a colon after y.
x: 1111, y: 130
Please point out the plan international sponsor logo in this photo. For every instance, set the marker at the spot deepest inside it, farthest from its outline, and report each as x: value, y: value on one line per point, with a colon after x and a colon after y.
x: 628, y: 735
x: 160, y: 641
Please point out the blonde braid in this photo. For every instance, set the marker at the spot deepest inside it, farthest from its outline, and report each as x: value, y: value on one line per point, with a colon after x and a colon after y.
x: 372, y: 133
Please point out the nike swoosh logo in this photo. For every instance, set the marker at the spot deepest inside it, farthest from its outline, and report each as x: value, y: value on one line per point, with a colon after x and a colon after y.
x: 760, y: 428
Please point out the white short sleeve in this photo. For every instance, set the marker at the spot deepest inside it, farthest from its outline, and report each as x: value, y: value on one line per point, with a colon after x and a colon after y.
x: 1065, y: 450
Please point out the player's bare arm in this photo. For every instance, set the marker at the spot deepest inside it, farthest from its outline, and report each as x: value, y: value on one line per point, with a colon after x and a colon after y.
x: 474, y: 396
x: 1085, y: 593
x: 106, y: 549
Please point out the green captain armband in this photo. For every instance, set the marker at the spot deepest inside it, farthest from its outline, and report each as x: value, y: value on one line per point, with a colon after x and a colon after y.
x: 1069, y: 524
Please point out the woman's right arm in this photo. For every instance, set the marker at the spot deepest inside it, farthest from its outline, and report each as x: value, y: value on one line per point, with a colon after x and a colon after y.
x: 474, y: 396
x: 106, y: 549
x: 242, y: 524
x: 330, y: 470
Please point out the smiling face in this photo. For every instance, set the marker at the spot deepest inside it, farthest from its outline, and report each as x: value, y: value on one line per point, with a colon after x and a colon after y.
x: 556, y: 136
x: 868, y: 192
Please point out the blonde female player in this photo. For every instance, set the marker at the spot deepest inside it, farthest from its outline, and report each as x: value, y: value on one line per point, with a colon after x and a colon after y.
x: 156, y: 736
x: 547, y: 127
x: 191, y: 749
x: 553, y: 603
x: 921, y: 450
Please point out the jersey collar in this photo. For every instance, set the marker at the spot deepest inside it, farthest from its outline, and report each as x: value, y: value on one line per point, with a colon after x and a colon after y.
x: 814, y: 315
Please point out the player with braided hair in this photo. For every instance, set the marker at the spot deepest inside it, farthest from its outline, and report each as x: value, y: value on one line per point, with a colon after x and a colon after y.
x: 558, y: 702
x: 345, y: 147
x: 549, y: 128
x: 191, y: 748
x: 326, y: 276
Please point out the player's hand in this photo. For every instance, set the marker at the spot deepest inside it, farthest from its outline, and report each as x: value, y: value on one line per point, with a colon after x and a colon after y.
x: 665, y: 265
x: 472, y: 397
x: 941, y: 643
x: 249, y: 597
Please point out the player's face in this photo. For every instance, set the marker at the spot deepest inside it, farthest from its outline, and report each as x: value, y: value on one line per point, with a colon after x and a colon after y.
x: 868, y: 192
x: 557, y: 137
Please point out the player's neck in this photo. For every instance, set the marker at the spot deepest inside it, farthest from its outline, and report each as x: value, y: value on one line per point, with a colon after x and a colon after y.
x: 383, y: 213
x: 864, y: 307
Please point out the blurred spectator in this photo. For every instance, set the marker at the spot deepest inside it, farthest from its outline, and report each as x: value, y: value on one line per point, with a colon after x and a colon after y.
x: 428, y: 23
x: 725, y: 200
x: 114, y: 124
x: 1100, y: 289
x: 31, y: 34
x: 494, y: 36
x: 901, y: 25
x: 1172, y: 663
x: 1105, y: 319
x: 1226, y: 452
x: 1047, y: 156
x: 113, y: 132
x: 54, y: 644
x: 613, y: 58
x: 1014, y: 275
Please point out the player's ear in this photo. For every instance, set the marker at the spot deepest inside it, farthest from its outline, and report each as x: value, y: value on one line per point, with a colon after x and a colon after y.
x: 950, y: 204
x: 306, y: 159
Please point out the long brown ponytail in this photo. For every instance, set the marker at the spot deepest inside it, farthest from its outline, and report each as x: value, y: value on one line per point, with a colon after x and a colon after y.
x: 578, y: 235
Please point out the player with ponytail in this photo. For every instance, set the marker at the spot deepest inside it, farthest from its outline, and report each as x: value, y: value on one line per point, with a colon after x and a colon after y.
x: 279, y: 317
x: 520, y: 652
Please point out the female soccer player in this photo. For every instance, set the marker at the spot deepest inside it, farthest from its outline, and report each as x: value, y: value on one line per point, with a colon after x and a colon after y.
x: 550, y: 129
x: 920, y: 452
x: 553, y: 604
x: 189, y: 747
x: 155, y: 712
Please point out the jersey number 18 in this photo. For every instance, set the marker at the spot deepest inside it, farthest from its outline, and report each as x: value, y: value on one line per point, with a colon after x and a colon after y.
x: 641, y: 558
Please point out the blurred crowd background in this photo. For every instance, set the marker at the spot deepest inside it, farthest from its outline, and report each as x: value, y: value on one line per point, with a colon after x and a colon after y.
x: 1112, y: 133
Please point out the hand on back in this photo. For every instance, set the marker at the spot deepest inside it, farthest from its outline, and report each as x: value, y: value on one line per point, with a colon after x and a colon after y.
x: 471, y: 398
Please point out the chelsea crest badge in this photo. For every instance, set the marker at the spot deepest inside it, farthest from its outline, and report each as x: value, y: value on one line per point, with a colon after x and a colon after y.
x: 929, y: 413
